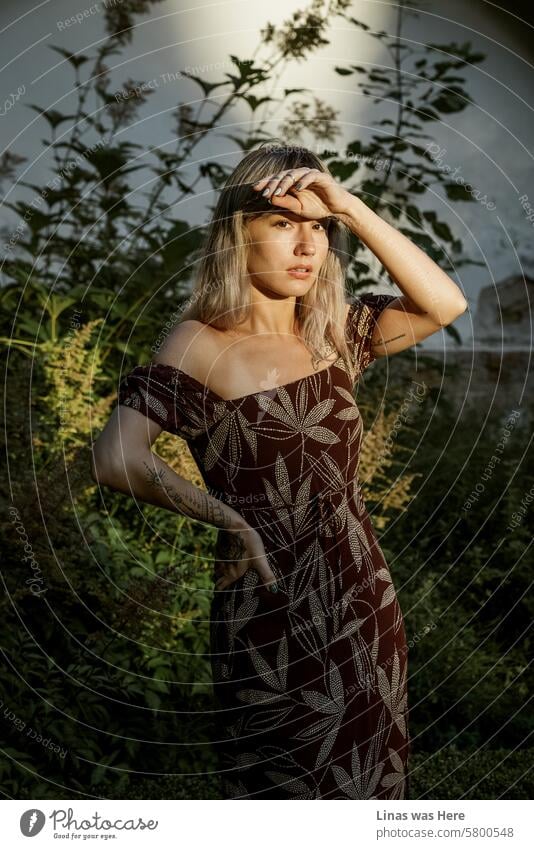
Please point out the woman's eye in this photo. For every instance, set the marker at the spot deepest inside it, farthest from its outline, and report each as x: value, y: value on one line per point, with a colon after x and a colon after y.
x: 285, y: 221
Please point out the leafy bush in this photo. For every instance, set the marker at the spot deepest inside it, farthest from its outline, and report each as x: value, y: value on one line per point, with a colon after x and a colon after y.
x: 472, y: 774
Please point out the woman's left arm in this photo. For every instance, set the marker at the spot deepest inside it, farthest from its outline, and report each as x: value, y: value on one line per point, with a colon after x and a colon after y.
x: 430, y: 298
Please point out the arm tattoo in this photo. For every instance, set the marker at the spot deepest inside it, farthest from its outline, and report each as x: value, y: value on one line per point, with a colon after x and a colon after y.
x: 385, y: 342
x: 230, y: 547
x: 393, y: 338
x: 195, y: 504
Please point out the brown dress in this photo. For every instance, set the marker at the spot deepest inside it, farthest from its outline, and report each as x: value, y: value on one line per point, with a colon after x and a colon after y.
x: 310, y: 682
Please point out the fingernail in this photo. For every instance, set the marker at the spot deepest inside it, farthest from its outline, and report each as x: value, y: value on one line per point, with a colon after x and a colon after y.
x: 273, y: 588
x: 265, y: 192
x: 277, y: 191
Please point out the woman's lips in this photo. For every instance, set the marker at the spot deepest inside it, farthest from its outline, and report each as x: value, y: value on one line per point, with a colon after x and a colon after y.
x: 301, y: 275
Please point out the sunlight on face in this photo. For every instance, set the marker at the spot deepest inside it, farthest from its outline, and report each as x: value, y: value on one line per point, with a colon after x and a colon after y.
x: 281, y: 241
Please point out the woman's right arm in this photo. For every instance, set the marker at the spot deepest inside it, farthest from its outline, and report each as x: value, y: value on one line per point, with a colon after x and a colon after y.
x: 123, y: 460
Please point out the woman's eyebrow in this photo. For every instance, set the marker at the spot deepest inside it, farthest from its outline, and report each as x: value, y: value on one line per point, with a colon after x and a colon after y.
x: 287, y: 215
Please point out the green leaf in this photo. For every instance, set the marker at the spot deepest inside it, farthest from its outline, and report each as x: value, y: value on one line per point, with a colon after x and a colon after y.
x: 458, y: 191
x: 454, y: 333
x: 53, y: 117
x: 162, y: 674
x: 343, y: 170
x: 254, y: 101
x: 414, y: 213
x: 152, y: 699
x: 354, y: 147
x: 426, y: 114
x: 181, y: 241
x: 442, y: 230
x: 74, y: 59
x: 359, y: 24
x: 206, y: 87
x: 451, y: 101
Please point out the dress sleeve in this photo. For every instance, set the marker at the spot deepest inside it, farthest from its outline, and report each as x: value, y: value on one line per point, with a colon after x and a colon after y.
x: 153, y: 390
x: 362, y: 317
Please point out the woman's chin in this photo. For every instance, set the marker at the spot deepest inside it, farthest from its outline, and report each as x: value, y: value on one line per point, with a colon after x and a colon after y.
x: 289, y: 286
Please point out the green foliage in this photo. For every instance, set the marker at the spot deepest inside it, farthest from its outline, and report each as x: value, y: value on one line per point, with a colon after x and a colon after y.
x: 420, y: 84
x: 463, y: 572
x: 451, y: 773
x: 472, y: 774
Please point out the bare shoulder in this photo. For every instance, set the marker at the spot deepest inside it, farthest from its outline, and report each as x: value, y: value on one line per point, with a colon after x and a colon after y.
x: 189, y: 346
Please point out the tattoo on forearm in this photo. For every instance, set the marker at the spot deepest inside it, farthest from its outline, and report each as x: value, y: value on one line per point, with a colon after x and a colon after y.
x: 385, y: 342
x: 394, y: 338
x: 195, y: 504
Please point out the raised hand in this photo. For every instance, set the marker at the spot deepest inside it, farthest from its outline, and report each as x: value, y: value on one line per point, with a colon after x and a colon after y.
x: 305, y: 191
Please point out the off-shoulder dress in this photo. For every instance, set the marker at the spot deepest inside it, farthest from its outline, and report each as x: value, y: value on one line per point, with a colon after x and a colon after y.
x: 310, y: 683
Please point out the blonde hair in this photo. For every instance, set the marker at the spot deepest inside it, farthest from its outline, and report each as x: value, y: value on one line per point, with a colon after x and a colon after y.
x: 220, y: 295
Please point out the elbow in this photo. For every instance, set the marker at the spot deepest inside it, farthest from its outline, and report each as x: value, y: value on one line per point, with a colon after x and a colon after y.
x: 101, y: 466
x: 99, y: 473
x: 461, y: 308
x: 110, y: 471
x: 93, y: 466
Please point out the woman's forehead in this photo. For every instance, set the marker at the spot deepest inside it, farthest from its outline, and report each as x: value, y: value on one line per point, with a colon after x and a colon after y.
x: 293, y: 216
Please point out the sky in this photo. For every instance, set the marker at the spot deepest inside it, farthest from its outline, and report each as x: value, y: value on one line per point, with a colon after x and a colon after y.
x: 490, y: 143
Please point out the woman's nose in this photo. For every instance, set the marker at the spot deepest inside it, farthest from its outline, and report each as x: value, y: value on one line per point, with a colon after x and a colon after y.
x: 307, y: 248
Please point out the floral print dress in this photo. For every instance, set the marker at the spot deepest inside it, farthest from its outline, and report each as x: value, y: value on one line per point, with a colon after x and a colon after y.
x: 310, y: 682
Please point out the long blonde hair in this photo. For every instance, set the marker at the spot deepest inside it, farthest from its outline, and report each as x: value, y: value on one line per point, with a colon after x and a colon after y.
x: 220, y: 295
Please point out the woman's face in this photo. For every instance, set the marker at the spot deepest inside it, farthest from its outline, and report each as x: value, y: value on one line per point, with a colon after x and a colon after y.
x: 282, y: 241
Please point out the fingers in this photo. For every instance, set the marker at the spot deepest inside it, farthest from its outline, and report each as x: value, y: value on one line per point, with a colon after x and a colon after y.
x: 229, y: 572
x: 265, y: 572
x: 226, y: 573
x: 268, y: 577
x: 280, y: 183
x: 312, y: 176
x: 272, y: 586
x: 226, y: 581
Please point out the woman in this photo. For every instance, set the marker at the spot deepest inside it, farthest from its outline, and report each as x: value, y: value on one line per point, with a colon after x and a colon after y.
x: 308, y: 647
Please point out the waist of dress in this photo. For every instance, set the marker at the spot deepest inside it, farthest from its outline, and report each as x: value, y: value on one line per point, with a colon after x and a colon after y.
x: 260, y: 500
